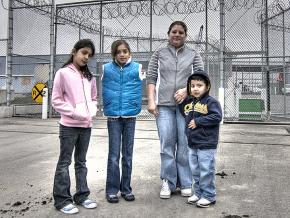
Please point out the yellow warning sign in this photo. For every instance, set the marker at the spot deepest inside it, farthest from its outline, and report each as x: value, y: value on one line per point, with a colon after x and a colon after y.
x: 37, y: 92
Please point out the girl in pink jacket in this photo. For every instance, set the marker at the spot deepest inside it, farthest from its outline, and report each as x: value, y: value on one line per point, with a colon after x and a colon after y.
x: 74, y: 96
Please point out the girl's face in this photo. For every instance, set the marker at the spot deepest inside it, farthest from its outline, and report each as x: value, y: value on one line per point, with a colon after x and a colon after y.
x: 122, y: 54
x: 177, y: 36
x: 197, y: 88
x: 81, y: 57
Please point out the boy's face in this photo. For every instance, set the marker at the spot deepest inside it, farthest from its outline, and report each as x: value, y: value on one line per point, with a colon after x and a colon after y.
x: 122, y: 55
x: 197, y: 88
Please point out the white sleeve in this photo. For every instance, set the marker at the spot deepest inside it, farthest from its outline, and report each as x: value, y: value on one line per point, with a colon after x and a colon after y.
x: 103, y: 68
x: 142, y: 73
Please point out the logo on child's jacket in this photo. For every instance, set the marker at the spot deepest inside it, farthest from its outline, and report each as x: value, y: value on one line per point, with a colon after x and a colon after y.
x: 201, y: 108
x: 187, y: 108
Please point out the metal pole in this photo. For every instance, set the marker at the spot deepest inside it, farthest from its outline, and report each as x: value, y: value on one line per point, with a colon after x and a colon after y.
x: 206, y: 37
x: 9, y: 54
x: 44, y: 103
x: 101, y: 28
x: 100, y: 64
x: 137, y: 41
x: 267, y: 61
x: 80, y: 32
x: 221, y: 55
x: 52, y: 57
x: 103, y: 40
x: 284, y: 61
x: 151, y: 20
x: 262, y: 45
x: 222, y: 41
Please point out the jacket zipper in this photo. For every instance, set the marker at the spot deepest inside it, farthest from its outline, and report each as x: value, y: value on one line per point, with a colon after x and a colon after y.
x: 88, y: 111
x: 176, y: 62
x: 121, y: 72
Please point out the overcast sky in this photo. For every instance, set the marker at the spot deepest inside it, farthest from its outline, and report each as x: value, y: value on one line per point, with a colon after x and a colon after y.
x: 4, y: 15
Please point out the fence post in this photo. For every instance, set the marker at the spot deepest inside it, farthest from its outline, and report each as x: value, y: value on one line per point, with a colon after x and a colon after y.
x: 221, y: 55
x: 9, y: 54
x: 44, y: 103
x: 267, y: 60
x: 52, y: 54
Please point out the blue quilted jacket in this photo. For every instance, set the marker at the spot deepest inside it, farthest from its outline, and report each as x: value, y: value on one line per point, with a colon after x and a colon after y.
x: 122, y: 89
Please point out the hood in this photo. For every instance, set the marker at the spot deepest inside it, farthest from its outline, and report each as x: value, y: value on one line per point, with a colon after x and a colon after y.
x: 201, y: 73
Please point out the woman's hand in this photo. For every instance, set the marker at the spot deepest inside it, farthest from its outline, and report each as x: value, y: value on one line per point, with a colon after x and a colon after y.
x: 180, y: 95
x: 152, y: 108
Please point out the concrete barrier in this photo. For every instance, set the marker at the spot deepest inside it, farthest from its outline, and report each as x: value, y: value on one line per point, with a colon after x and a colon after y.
x: 6, y: 111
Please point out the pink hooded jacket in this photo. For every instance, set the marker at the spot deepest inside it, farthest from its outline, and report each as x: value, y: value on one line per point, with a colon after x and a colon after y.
x: 74, y: 97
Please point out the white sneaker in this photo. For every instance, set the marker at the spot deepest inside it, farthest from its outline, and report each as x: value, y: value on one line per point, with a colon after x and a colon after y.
x: 204, y: 203
x: 69, y: 209
x: 165, y: 190
x: 89, y: 204
x: 192, y: 199
x: 186, y: 192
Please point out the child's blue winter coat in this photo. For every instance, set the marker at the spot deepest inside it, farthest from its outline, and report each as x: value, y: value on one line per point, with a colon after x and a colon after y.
x: 207, y: 114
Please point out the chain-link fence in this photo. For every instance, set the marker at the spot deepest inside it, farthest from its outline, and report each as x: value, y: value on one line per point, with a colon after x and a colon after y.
x: 279, y: 62
x: 256, y: 63
x: 243, y: 45
x: 29, y: 55
x: 143, y: 24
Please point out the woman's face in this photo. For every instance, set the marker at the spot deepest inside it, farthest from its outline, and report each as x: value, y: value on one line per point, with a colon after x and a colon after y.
x: 177, y: 36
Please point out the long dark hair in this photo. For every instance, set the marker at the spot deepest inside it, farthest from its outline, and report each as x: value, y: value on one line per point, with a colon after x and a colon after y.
x: 83, y: 43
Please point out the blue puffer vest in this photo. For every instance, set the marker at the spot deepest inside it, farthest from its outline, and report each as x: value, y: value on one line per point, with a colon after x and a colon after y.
x: 122, y: 89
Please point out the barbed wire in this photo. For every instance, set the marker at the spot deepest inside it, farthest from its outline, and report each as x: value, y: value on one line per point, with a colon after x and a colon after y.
x: 275, y: 16
x: 84, y: 16
x: 36, y: 3
x: 274, y: 8
x: 124, y: 10
x: 4, y: 7
x: 42, y: 7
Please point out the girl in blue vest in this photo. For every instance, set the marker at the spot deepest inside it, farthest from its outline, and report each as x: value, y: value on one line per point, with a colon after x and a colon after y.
x: 122, y: 100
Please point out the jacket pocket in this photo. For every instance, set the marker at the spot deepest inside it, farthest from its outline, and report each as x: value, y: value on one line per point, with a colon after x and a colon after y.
x: 81, y: 112
x: 93, y: 108
x: 204, y: 132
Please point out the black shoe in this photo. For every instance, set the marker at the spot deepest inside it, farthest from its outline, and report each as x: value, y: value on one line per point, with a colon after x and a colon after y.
x: 112, y: 198
x: 128, y: 197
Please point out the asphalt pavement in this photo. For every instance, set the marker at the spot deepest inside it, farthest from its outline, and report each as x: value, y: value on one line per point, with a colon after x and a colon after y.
x: 252, y: 172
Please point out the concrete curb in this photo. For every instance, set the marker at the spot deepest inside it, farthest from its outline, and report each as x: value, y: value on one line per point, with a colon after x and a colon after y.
x: 6, y: 111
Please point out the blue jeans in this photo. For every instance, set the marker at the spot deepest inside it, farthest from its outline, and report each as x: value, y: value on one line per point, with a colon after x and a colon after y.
x: 121, y: 136
x: 202, y: 165
x: 174, y: 151
x: 70, y: 138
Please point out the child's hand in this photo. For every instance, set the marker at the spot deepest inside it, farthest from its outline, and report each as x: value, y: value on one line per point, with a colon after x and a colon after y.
x: 192, y: 124
x: 81, y: 117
